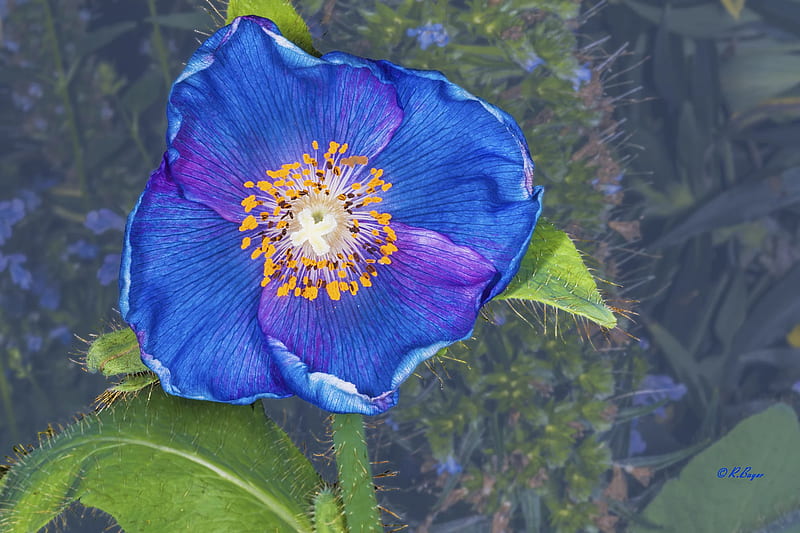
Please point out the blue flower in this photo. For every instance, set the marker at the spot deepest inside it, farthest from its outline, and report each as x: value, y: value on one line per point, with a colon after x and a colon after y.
x: 33, y: 342
x: 655, y: 388
x: 103, y: 220
x: 19, y: 274
x: 333, y: 223
x: 530, y: 62
x: 450, y: 465
x: 580, y: 76
x: 429, y: 34
x: 49, y: 294
x: 636, y: 443
x: 109, y: 270
x: 61, y: 333
x: 82, y: 249
x: 11, y: 212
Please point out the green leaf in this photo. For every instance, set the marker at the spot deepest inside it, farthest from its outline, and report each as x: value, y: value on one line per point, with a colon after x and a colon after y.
x: 98, y: 39
x: 701, y: 501
x: 772, y: 316
x: 553, y: 273
x: 749, y: 201
x: 161, y: 463
x: 682, y: 362
x: 702, y: 21
x: 758, y: 71
x: 282, y: 13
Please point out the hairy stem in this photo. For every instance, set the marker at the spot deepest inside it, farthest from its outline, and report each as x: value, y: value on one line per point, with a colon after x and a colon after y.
x: 355, y: 475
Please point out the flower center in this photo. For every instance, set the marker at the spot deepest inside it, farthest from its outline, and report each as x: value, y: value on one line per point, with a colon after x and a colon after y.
x: 313, y: 226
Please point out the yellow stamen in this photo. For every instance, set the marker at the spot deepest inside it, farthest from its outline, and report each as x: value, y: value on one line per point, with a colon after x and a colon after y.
x: 248, y: 223
x: 333, y: 291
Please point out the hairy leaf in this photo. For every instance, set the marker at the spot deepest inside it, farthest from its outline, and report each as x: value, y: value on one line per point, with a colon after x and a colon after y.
x: 553, y: 273
x: 160, y: 463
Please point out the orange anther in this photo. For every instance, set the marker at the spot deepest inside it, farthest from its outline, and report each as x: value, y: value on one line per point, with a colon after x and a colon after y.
x: 333, y: 291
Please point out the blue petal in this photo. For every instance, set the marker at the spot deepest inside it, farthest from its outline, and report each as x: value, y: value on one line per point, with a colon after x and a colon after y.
x: 351, y: 355
x: 251, y: 101
x: 459, y: 166
x: 192, y: 299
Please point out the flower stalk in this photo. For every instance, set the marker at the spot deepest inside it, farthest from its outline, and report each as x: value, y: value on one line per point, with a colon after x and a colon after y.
x: 62, y: 87
x: 158, y: 43
x: 356, y: 486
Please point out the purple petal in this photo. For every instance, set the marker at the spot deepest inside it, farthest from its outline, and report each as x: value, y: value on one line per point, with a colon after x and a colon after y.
x: 192, y: 299
x: 250, y: 101
x: 472, y: 180
x: 351, y: 355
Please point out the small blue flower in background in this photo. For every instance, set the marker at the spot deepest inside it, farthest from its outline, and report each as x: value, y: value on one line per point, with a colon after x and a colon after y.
x: 82, y: 249
x: 35, y: 90
x: 609, y: 189
x: 31, y: 200
x: 23, y: 102
x: 581, y: 75
x: 499, y: 316
x: 796, y: 387
x: 636, y: 444
x: 103, y: 220
x: 48, y: 293
x: 19, y: 274
x: 450, y: 465
x: 530, y: 62
x: 61, y: 333
x: 393, y: 425
x: 644, y: 343
x: 11, y: 212
x: 33, y: 343
x: 655, y: 388
x: 429, y: 34
x: 109, y: 271
x: 325, y: 245
x: 49, y: 296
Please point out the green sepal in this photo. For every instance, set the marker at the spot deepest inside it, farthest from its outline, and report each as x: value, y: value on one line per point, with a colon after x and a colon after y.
x: 328, y: 516
x: 161, y: 463
x: 134, y: 382
x: 282, y: 13
x: 553, y: 273
x: 115, y: 353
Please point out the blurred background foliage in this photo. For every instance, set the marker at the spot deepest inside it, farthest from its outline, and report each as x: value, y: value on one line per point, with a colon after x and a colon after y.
x: 666, y: 135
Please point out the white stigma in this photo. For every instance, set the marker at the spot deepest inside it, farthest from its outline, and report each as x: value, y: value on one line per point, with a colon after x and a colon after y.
x: 314, y: 226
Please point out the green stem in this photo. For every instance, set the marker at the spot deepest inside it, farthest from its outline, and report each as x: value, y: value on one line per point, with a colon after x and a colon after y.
x: 62, y: 87
x: 355, y: 475
x: 158, y: 44
x: 5, y: 394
